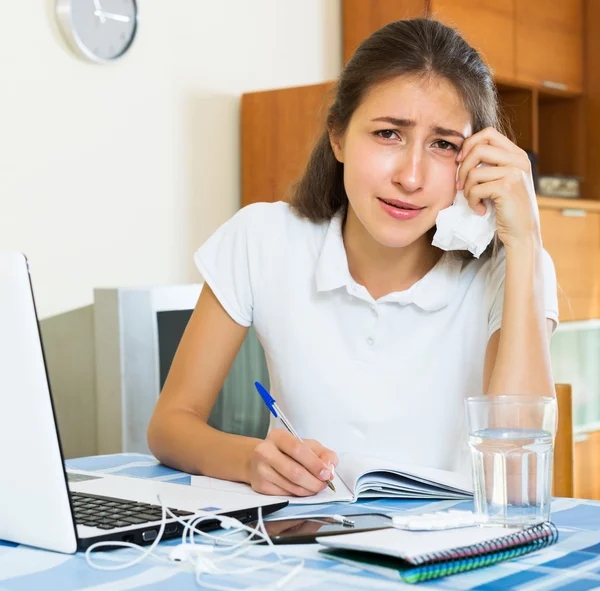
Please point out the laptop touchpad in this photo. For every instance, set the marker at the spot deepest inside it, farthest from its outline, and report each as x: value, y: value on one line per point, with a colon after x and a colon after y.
x: 81, y: 477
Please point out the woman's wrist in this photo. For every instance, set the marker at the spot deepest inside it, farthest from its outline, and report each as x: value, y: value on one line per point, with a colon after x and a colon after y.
x: 229, y: 456
x: 249, y: 445
x: 524, y: 253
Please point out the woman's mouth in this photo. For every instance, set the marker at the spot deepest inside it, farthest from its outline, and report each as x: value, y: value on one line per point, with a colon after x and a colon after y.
x: 400, y: 210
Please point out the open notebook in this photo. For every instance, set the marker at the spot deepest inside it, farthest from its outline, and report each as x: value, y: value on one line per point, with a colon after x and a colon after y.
x: 420, y: 556
x: 362, y: 476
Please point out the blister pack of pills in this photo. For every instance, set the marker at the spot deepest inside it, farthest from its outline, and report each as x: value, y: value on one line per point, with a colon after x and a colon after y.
x: 437, y: 520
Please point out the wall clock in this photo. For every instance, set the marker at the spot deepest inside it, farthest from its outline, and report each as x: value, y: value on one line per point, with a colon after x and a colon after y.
x: 98, y: 30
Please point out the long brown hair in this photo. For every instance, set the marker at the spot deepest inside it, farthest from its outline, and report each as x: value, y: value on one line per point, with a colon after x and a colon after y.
x: 418, y: 47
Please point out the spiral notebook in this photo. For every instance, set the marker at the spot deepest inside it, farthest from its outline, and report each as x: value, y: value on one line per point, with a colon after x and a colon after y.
x: 420, y: 556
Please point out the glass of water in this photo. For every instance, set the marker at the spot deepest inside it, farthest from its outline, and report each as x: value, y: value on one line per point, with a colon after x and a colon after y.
x: 511, y: 438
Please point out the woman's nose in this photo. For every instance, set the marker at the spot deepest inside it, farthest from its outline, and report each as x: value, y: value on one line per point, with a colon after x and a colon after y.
x: 409, y: 170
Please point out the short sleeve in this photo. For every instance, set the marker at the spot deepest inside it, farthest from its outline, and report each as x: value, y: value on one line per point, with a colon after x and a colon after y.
x: 224, y: 262
x: 495, y: 290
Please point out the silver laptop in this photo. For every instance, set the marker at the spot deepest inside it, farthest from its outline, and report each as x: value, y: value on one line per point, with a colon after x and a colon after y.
x: 43, y: 504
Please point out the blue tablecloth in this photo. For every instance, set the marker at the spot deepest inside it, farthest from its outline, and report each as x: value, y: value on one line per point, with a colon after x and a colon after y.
x: 573, y: 563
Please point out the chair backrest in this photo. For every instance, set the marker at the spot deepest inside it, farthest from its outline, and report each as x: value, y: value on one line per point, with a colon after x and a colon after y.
x: 562, y: 485
x: 238, y: 408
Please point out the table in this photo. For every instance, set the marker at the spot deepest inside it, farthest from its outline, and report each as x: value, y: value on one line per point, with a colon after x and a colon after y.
x: 573, y: 563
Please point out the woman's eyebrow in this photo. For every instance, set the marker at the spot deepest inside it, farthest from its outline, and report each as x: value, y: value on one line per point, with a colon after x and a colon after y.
x: 410, y: 123
x: 444, y: 131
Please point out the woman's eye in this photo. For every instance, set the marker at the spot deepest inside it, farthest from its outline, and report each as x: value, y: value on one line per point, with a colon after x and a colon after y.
x: 387, y: 134
x: 446, y: 146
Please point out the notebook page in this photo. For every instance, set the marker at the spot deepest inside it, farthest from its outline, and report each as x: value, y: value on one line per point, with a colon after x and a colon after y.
x: 409, y: 545
x: 325, y: 496
x: 356, y: 469
x: 393, y: 484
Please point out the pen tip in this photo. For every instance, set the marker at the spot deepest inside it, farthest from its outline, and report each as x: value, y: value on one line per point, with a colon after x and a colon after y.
x: 330, y: 485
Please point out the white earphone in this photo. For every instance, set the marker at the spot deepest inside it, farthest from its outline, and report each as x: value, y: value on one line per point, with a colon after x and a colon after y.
x: 190, y: 553
x: 185, y: 552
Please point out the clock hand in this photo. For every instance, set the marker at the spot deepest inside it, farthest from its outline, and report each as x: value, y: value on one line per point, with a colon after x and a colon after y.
x: 99, y: 13
x: 115, y: 17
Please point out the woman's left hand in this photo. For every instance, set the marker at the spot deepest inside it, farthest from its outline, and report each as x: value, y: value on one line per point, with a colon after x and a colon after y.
x: 507, y: 182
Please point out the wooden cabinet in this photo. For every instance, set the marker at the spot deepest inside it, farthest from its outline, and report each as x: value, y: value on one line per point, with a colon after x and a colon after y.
x: 585, y: 463
x: 592, y: 99
x: 573, y: 242
x: 533, y: 42
x: 487, y: 25
x: 279, y: 128
x: 360, y: 18
x: 549, y: 43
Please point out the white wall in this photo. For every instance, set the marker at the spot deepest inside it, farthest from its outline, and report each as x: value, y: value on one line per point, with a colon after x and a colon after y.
x: 114, y: 175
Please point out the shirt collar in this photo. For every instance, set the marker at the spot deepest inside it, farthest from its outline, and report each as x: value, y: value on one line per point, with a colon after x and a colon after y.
x: 432, y: 292
x: 332, y: 266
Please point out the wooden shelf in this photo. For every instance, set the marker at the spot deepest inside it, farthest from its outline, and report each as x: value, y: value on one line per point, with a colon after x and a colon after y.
x: 506, y: 83
x: 563, y: 203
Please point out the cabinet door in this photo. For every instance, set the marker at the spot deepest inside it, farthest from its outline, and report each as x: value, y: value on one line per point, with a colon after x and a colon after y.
x: 360, y: 18
x: 586, y: 461
x: 279, y: 128
x: 487, y: 25
x: 574, y: 245
x: 549, y: 43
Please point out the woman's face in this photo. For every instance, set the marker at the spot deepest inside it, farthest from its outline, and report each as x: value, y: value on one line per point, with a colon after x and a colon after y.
x: 399, y: 154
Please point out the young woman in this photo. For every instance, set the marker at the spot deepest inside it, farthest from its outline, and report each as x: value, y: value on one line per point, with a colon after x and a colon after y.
x: 373, y: 337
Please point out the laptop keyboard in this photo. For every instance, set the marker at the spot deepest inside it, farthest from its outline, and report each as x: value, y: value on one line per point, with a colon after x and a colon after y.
x: 109, y: 513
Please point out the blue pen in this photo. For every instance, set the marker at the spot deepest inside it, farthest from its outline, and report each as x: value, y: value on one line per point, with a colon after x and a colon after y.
x: 272, y: 406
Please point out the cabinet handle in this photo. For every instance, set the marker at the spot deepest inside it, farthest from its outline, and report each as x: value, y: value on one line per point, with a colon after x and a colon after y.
x: 580, y: 437
x: 555, y: 85
x: 574, y: 213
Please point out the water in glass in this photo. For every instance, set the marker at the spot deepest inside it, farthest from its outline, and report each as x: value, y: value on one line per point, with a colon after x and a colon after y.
x: 512, y: 470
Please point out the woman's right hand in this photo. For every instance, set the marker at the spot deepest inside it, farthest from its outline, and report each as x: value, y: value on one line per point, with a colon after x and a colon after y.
x: 283, y: 466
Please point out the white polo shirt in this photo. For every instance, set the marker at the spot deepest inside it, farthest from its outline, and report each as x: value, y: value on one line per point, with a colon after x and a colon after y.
x: 384, y: 377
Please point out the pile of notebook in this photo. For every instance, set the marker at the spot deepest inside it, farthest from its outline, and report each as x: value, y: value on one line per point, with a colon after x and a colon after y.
x: 415, y: 556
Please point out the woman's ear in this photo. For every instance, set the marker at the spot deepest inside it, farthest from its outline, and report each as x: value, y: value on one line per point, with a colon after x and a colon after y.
x: 336, y: 145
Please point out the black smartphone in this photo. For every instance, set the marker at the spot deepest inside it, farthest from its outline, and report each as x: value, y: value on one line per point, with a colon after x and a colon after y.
x: 305, y: 530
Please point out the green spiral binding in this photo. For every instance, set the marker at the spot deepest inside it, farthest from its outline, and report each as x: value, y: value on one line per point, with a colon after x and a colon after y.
x: 481, y: 555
